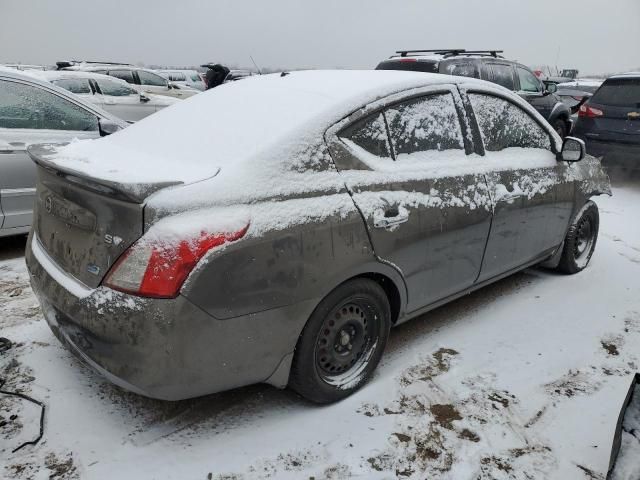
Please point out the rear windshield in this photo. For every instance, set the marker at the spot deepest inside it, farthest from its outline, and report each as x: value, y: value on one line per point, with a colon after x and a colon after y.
x: 410, y: 64
x: 619, y: 92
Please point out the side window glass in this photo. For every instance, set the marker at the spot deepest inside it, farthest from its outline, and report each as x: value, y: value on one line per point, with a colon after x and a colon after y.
x: 369, y: 134
x: 502, y: 75
x: 74, y: 85
x: 463, y: 70
x: 426, y: 123
x: 115, y: 88
x: 26, y: 106
x: 148, y: 78
x: 528, y: 82
x: 504, y: 125
x: 126, y: 75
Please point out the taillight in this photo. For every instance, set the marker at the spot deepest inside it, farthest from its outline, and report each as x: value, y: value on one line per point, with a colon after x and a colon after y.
x: 589, y: 112
x: 158, y: 268
x: 406, y: 60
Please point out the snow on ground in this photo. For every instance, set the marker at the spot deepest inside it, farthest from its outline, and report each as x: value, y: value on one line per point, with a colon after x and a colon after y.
x: 522, y: 379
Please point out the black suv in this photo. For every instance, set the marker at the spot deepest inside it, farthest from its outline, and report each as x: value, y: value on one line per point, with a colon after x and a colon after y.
x: 487, y: 65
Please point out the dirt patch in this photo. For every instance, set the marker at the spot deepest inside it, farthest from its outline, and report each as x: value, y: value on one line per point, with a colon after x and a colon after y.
x: 500, y: 398
x: 445, y: 415
x: 574, y: 383
x: 437, y: 364
x: 611, y: 348
x: 590, y: 473
x: 61, y: 468
x: 467, y: 434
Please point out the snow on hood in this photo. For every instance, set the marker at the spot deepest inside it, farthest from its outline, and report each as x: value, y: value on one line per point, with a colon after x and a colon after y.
x: 231, y: 126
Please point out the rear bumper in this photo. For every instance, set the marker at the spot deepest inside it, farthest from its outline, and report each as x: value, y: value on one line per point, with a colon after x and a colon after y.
x: 168, y: 349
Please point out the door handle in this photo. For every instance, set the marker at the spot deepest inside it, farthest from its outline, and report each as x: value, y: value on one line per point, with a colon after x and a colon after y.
x: 391, y: 218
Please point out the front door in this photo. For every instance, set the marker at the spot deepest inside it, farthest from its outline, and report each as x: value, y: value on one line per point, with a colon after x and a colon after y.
x: 407, y: 169
x: 532, y: 192
x: 532, y: 90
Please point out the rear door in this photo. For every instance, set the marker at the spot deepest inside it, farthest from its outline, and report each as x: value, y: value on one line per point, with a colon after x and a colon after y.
x: 407, y: 169
x: 618, y: 100
x: 500, y: 73
x: 30, y: 114
x: 532, y: 192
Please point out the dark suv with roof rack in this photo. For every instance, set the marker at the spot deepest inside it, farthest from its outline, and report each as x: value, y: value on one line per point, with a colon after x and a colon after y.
x: 487, y: 65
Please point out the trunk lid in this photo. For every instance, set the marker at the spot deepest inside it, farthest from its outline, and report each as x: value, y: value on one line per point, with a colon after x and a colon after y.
x: 85, y: 224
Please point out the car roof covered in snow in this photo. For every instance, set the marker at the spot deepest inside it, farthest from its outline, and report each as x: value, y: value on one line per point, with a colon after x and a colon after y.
x: 268, y: 117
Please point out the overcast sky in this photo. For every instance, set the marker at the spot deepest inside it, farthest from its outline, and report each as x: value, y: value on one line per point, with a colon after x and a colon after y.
x: 590, y: 35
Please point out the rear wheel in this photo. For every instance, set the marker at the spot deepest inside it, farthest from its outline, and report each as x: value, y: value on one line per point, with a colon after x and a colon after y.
x: 342, y: 342
x: 580, y: 242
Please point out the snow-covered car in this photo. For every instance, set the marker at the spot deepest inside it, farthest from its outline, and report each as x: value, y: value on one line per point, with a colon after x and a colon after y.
x: 279, y: 241
x: 142, y: 79
x: 113, y: 95
x: 35, y: 111
x: 188, y: 78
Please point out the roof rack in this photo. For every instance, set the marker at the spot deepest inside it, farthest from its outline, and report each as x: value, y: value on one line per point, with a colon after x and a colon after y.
x: 450, y: 52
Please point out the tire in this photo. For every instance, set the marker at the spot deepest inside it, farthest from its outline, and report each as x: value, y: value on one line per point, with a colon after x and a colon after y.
x: 341, y: 344
x: 580, y: 242
x: 560, y: 127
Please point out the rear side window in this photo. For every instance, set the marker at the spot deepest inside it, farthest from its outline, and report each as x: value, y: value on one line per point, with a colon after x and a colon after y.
x: 114, y: 88
x: 195, y: 78
x: 504, y: 125
x: 148, y: 78
x: 126, y: 75
x: 528, y: 81
x: 501, y: 74
x: 370, y: 134
x: 619, y: 92
x: 426, y: 123
x: 74, y: 85
x: 410, y: 64
x: 26, y: 106
x: 463, y: 70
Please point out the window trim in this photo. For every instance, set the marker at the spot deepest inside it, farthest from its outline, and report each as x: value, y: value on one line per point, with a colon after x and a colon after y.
x: 491, y: 93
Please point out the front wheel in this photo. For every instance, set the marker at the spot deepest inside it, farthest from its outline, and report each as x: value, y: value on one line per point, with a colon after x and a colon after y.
x: 580, y: 241
x: 560, y: 127
x: 342, y: 342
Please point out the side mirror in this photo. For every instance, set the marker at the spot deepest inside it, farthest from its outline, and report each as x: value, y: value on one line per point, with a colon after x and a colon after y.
x: 550, y: 87
x: 173, y: 85
x: 573, y: 150
x: 144, y: 98
x: 107, y: 127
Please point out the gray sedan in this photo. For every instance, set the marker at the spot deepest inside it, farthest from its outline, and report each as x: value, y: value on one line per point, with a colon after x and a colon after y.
x: 34, y: 111
x: 280, y: 241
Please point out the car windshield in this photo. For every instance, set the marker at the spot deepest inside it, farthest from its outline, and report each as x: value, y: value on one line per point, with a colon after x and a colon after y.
x: 619, y: 92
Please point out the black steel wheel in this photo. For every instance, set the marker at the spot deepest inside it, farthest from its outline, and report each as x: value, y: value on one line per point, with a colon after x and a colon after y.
x: 580, y: 242
x: 342, y: 342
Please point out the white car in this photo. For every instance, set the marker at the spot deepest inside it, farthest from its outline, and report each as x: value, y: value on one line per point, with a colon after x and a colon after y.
x: 113, y: 95
x: 188, y: 78
x: 142, y: 79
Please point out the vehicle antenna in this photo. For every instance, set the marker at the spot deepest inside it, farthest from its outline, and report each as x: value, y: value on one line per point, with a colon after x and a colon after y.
x: 255, y: 65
